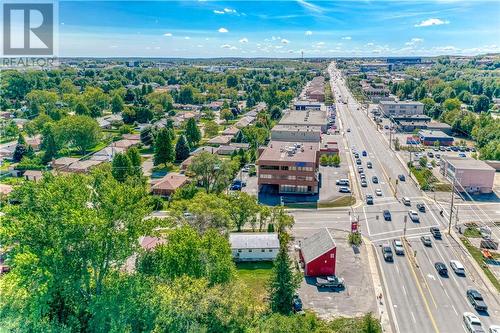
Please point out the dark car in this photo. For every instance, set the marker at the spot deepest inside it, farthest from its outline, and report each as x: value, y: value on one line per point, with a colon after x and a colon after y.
x: 476, y: 299
x: 387, y: 252
x: 375, y: 180
x: 364, y: 153
x: 435, y: 232
x: 235, y: 187
x: 421, y: 207
x: 387, y: 215
x: 441, y: 268
x: 369, y: 165
x: 369, y: 199
x: 358, y: 161
x: 356, y: 155
x: 402, y: 178
x: 296, y: 303
x: 426, y: 240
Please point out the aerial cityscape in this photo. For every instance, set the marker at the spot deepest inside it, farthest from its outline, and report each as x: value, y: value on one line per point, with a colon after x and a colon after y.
x: 250, y: 166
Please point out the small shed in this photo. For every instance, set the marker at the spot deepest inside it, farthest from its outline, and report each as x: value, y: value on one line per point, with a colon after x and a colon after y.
x: 254, y: 246
x: 318, y: 253
x: 33, y: 175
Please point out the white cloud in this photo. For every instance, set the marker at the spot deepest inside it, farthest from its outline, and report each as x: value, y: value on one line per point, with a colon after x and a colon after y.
x: 347, y: 38
x: 244, y: 40
x: 226, y: 46
x: 308, y: 33
x: 233, y: 48
x: 414, y: 41
x: 168, y: 34
x: 285, y: 41
x: 187, y: 37
x: 430, y: 22
x: 369, y: 44
x: 218, y: 11
x: 228, y: 10
x: 199, y: 45
x: 223, y: 30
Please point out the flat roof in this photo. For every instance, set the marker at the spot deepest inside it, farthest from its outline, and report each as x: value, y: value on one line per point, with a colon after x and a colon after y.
x: 400, y: 103
x: 297, y: 128
x: 290, y: 151
x: 308, y: 117
x: 433, y: 134
x: 468, y: 163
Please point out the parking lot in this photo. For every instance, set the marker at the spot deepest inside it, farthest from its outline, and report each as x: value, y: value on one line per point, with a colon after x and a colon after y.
x: 357, y: 298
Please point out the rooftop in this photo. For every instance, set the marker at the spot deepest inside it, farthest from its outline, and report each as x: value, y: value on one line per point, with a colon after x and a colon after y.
x: 316, y: 245
x: 308, y: 117
x: 433, y: 134
x: 290, y: 151
x: 468, y: 163
x: 297, y: 128
x: 171, y: 181
x: 242, y: 240
x: 400, y: 103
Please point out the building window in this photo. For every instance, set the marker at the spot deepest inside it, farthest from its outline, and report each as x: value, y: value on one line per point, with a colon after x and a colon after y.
x: 270, y: 250
x: 284, y: 167
x: 291, y: 177
x: 249, y: 250
x: 239, y: 250
x: 264, y: 176
x: 269, y: 167
x: 263, y: 250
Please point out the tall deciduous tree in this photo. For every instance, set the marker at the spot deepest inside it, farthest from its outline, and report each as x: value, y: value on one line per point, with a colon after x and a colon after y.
x: 193, y: 134
x: 215, y: 174
x: 181, y: 149
x: 121, y: 167
x: 81, y: 132
x: 116, y: 104
x: 242, y: 208
x: 49, y: 143
x: 164, y: 149
x: 135, y: 160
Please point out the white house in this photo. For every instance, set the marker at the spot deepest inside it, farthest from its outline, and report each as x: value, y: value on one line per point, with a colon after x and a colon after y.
x: 254, y: 246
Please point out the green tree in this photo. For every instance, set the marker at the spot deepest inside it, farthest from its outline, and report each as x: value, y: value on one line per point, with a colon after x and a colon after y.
x: 81, y: 132
x: 136, y: 163
x: 116, y: 104
x: 336, y: 160
x: 451, y: 104
x: 242, y: 208
x: 283, y: 282
x: 181, y: 149
x: 163, y: 148
x: 82, y: 109
x: 323, y: 160
x: 214, y: 174
x: 482, y: 104
x: 121, y: 167
x: 211, y: 129
x: 226, y: 114
x: 21, y: 149
x: 49, y: 143
x: 232, y: 81
x: 193, y: 134
x: 186, y: 95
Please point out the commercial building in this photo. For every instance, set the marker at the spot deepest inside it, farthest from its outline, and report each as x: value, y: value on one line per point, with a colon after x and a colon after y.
x: 296, y: 133
x: 470, y: 175
x: 315, y: 89
x: 307, y: 118
x: 303, y: 105
x: 290, y: 167
x: 401, y: 108
x: 318, y: 254
x: 428, y: 138
x: 254, y: 246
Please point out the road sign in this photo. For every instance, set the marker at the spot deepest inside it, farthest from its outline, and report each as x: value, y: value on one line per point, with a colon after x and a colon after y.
x: 354, y: 226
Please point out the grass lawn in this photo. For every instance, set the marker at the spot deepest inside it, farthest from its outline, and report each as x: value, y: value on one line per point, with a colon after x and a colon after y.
x: 255, y: 275
x: 472, y: 233
x: 340, y: 202
x: 478, y: 256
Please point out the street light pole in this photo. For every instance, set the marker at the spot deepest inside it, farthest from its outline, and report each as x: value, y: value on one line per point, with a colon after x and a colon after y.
x: 404, y: 228
x: 451, y: 204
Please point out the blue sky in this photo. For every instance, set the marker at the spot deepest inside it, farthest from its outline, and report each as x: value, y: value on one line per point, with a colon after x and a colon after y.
x: 277, y: 28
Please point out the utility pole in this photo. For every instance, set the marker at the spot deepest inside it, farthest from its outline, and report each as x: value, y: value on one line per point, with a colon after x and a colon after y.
x: 409, y: 169
x: 451, y: 205
x: 390, y: 139
x: 404, y: 228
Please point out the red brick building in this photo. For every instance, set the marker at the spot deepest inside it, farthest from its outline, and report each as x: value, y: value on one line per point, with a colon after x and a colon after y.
x: 318, y: 253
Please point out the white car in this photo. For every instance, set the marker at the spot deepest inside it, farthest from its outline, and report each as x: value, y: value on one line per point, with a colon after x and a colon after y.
x: 457, y: 267
x: 406, y: 201
x: 494, y: 329
x: 413, y: 216
x: 378, y: 192
x: 472, y: 323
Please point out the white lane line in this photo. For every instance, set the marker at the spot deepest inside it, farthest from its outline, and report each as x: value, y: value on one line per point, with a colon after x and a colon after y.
x: 366, y: 220
x: 400, y: 230
x: 404, y: 290
x: 453, y: 307
x: 413, y: 317
x: 399, y: 272
x: 446, y: 293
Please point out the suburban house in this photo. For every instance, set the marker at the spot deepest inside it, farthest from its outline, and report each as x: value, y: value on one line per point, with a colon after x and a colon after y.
x: 107, y: 154
x: 167, y: 185
x: 254, y: 246
x: 83, y: 166
x: 63, y: 163
x: 125, y: 143
x: 318, y: 254
x: 220, y: 140
x: 33, y: 175
x: 470, y: 175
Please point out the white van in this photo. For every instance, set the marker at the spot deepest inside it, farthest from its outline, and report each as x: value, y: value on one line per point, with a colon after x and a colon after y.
x: 457, y: 267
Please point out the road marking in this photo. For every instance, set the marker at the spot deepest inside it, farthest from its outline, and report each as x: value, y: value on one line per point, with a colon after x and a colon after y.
x: 446, y: 293
x: 366, y: 220
x: 399, y: 230
x: 404, y: 290
x: 413, y: 317
x: 432, y: 277
x: 399, y: 272
x: 453, y: 307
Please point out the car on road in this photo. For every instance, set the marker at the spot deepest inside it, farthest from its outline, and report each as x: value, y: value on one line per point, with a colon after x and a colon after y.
x: 369, y: 199
x: 387, y: 215
x: 330, y: 282
x: 246, y: 168
x: 429, y: 166
x: 421, y: 207
x: 386, y: 126
x: 342, y: 182
x: 398, y: 247
x: 462, y: 155
x: 457, y: 267
x: 387, y: 252
x: 356, y: 155
x: 406, y: 201
x: 441, y: 268
x: 435, y: 232
x: 430, y: 154
x: 378, y: 192
x: 348, y: 130
x: 369, y: 165
x: 364, y: 183
x: 358, y: 161
x: 494, y: 329
x: 413, y: 216
x: 236, y: 186
x: 375, y: 180
x: 472, y: 323
x: 364, y: 153
x: 401, y: 178
x: 360, y: 169
x: 426, y: 240
x: 344, y: 189
x: 476, y: 299
x: 296, y: 303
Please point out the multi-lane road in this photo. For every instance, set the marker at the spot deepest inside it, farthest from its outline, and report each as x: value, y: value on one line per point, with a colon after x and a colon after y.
x: 418, y: 299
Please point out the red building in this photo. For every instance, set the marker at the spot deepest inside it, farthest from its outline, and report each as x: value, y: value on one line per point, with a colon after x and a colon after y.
x: 318, y: 253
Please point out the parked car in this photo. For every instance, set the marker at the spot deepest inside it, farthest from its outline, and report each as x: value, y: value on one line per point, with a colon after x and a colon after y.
x: 358, y: 161
x: 406, y: 201
x: 360, y: 169
x: 413, y: 216
x: 387, y: 252
x: 435, y: 232
x: 369, y: 165
x: 342, y: 182
x: 364, y: 183
x: 398, y: 247
x: 430, y: 154
x: 364, y: 153
x: 369, y: 199
x: 235, y: 186
x: 457, y: 267
x: 462, y: 155
x: 378, y: 192
x: 296, y: 303
x: 476, y: 299
x: 375, y: 180
x: 441, y: 268
x: 426, y: 240
x: 494, y: 329
x: 421, y: 207
x: 348, y: 130
x: 401, y: 178
x: 330, y: 282
x: 344, y: 189
x: 429, y: 166
x: 387, y: 215
x: 472, y: 323
x: 246, y: 168
x: 356, y: 155
x: 454, y: 148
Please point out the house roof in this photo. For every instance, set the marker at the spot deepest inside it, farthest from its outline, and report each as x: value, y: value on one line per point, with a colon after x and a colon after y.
x: 253, y: 240
x: 65, y: 161
x: 231, y: 131
x: 468, y: 163
x: 171, y: 181
x: 33, y: 173
x: 221, y: 139
x: 148, y: 243
x: 317, y: 245
x: 124, y: 143
x: 133, y: 137
x: 5, y: 189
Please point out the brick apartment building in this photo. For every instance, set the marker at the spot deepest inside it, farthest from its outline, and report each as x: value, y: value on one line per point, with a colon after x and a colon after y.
x: 289, y: 167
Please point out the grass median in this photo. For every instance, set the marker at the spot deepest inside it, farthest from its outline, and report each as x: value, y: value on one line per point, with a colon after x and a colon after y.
x: 478, y: 256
